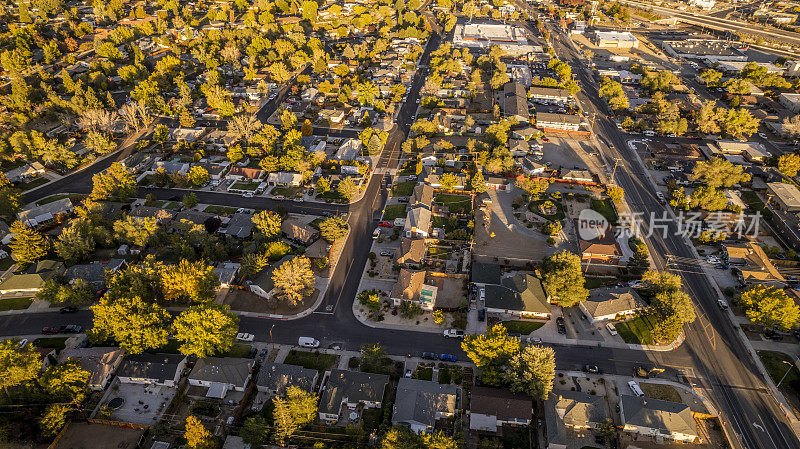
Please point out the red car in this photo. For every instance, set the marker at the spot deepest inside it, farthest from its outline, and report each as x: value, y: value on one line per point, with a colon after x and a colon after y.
x: 49, y: 330
x: 545, y: 139
x: 386, y: 224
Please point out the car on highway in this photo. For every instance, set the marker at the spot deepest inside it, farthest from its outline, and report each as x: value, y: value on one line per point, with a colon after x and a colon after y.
x: 448, y: 358
x: 453, y: 333
x: 386, y: 224
x: 68, y: 309
x: 244, y: 336
x: 70, y: 329
x: 49, y: 330
x: 429, y: 356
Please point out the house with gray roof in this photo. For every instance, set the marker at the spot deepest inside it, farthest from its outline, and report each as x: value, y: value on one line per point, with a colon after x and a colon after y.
x: 221, y: 375
x: 520, y: 295
x: 515, y: 102
x: 422, y: 195
x: 657, y: 418
x: 239, y: 225
x: 36, y: 215
x: 263, y: 285
x: 492, y: 408
x: 298, y: 231
x: 348, y: 389
x: 420, y: 403
x: 227, y: 272
x: 578, y: 410
x: 94, y: 272
x: 483, y: 273
x: 33, y: 278
x: 187, y: 219
x: 418, y: 222
x: 275, y: 378
x: 156, y: 369
x: 610, y: 303
x: 100, y: 362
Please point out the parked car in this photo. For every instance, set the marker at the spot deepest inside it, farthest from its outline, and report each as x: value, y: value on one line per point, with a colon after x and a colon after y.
x: 429, y: 356
x: 386, y: 224
x: 70, y: 329
x: 402, y: 200
x: 611, y: 328
x: 308, y: 342
x: 561, y: 325
x: 49, y: 330
x: 387, y: 253
x: 482, y: 315
x: 244, y: 336
x: 22, y: 343
x: 68, y: 309
x: 635, y: 388
x: 532, y: 340
x: 593, y: 369
x: 448, y: 358
x: 453, y: 333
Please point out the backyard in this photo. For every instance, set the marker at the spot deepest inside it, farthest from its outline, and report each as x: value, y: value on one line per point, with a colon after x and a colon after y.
x: 637, y: 331
x: 606, y: 209
x: 456, y: 204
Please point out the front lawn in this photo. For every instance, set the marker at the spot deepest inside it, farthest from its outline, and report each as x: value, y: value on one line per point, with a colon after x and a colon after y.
x: 456, y: 204
x: 403, y: 188
x: 32, y: 184
x: 310, y: 360
x: 393, y: 211
x: 251, y: 186
x: 288, y: 192
x: 15, y: 303
x: 57, y: 343
x: 774, y: 363
x: 661, y: 391
x: 606, y: 209
x: 637, y: 331
x: 75, y: 197
x: 522, y: 327
x: 238, y: 350
x: 220, y: 210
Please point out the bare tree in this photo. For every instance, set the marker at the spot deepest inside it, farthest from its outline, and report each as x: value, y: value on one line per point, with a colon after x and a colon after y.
x: 136, y: 116
x: 98, y: 119
x: 243, y: 126
x: 792, y: 125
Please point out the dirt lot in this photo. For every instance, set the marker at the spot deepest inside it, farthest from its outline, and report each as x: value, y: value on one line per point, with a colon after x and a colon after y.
x: 516, y: 247
x: 250, y: 302
x: 85, y: 436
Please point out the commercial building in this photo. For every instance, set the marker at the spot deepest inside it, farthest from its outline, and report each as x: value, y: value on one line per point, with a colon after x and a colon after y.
x: 558, y: 122
x: 615, y: 39
x: 511, y: 39
x: 785, y: 195
x: 710, y: 50
x: 550, y: 95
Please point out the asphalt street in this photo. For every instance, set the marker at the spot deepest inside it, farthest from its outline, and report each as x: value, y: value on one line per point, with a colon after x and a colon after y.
x: 715, y: 351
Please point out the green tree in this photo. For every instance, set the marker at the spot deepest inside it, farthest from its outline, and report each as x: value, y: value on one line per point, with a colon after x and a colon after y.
x: 719, y: 172
x: 711, y: 77
x: 563, y: 279
x: 323, y: 185
x: 65, y: 382
x: 10, y: 198
x: 708, y: 118
x: 531, y: 371
x: 28, y: 245
x: 17, y: 366
x: 532, y: 186
x: 75, y: 243
x: 135, y: 231
x: 333, y: 228
x: 116, y: 183
x: 307, y: 129
x: 198, y: 175
x: 268, y: 223
x: 401, y: 437
x: 616, y: 194
x: 373, y: 358
x: 478, y: 183
x: 189, y: 281
x: 285, y: 426
x: 739, y: 123
x: 449, y: 180
x: 135, y: 324
x: 255, y: 431
x: 708, y: 198
x: 197, y: 436
x: 189, y: 201
x: 294, y: 280
x: 205, y: 329
x: 347, y: 188
x: 490, y: 351
x: 54, y: 419
x: 789, y: 164
x: 770, y: 307
x: 614, y: 94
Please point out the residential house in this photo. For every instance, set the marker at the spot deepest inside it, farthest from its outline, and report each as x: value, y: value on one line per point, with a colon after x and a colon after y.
x: 332, y: 115
x: 188, y: 219
x: 215, y: 171
x: 573, y: 410
x: 348, y: 150
x: 492, y: 408
x: 482, y: 274
x: 221, y: 375
x: 284, y: 179
x: 239, y: 225
x: 420, y: 403
x: 418, y: 223
x: 530, y: 166
x: 320, y: 249
x: 723, y: 147
x: 245, y: 174
x: 263, y: 285
x: 179, y: 168
x: 753, y: 266
x: 154, y: 369
x: 411, y: 252
x: 519, y: 295
x: 657, y: 418
x: 94, y: 272
x: 298, y: 231
x: 275, y: 378
x: 33, y: 278
x: 515, y: 102
x: 410, y: 286
x: 790, y: 101
x: 349, y: 389
x: 101, y: 363
x: 25, y: 172
x: 421, y: 196
x: 611, y: 303
x: 497, y: 183
x: 603, y: 249
x: 227, y: 271
x: 36, y: 215
x: 785, y: 196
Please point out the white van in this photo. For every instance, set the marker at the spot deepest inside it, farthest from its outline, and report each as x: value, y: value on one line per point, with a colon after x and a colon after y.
x: 635, y: 388
x: 650, y: 133
x: 611, y: 329
x: 308, y: 342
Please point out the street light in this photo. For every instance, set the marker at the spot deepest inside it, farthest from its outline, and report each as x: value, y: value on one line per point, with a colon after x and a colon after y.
x: 791, y: 365
x: 270, y: 337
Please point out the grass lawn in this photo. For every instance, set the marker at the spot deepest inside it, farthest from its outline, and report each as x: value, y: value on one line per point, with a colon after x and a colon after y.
x: 288, y: 192
x: 238, y: 350
x: 606, y: 209
x: 309, y: 360
x: 423, y: 373
x: 331, y: 197
x: 459, y: 204
x: 660, y: 391
x: 220, y: 210
x: 773, y: 362
x: 56, y: 343
x: 558, y: 216
x: 15, y: 303
x: 637, y: 331
x: 522, y: 327
x: 245, y: 186
x: 50, y: 199
x: 438, y: 252
x: 403, y: 188
x: 35, y: 183
x: 752, y: 200
x: 393, y: 211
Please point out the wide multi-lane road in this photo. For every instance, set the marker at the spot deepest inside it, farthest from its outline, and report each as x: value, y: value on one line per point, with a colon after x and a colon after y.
x: 716, y: 353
